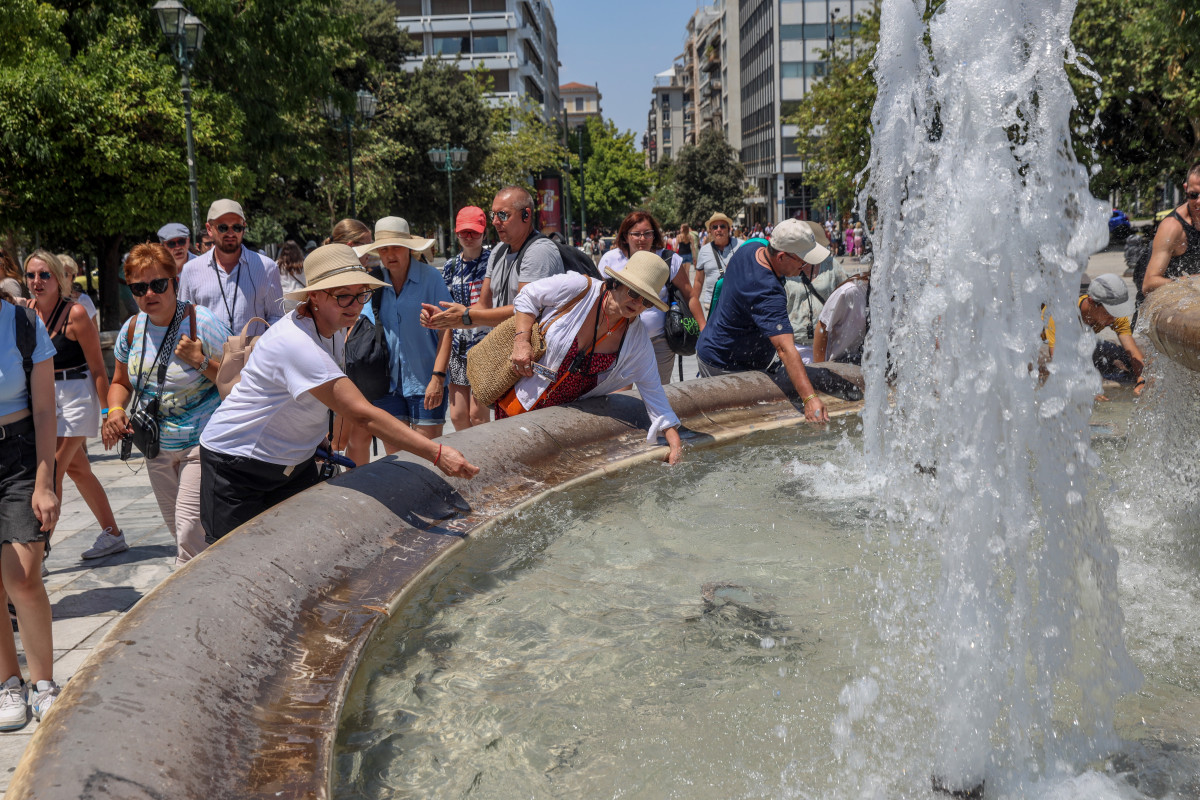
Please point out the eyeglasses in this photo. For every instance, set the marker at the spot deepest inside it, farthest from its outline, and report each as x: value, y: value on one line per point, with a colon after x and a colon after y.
x: 158, y: 286
x: 173, y: 243
x: 641, y: 234
x: 1192, y: 195
x: 646, y: 302
x: 501, y: 215
x: 43, y: 275
x: 347, y: 300
x: 718, y: 226
x: 205, y: 244
x: 470, y: 234
x: 223, y: 228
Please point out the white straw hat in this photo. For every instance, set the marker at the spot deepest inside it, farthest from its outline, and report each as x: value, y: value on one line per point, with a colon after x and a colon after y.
x: 646, y: 274
x: 394, y: 232
x: 331, y: 266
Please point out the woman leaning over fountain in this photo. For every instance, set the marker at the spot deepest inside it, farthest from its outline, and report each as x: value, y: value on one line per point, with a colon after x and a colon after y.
x: 186, y: 397
x: 260, y: 446
x: 596, y: 343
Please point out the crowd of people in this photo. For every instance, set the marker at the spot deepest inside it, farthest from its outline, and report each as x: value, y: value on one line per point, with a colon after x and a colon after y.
x: 363, y: 339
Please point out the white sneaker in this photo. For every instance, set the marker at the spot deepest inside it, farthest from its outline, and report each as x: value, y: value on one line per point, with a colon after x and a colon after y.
x: 43, y: 696
x: 107, y: 544
x: 14, y: 712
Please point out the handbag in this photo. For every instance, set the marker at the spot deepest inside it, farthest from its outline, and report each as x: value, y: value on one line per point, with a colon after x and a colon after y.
x: 680, y: 327
x: 236, y: 351
x: 367, y: 359
x: 489, y: 363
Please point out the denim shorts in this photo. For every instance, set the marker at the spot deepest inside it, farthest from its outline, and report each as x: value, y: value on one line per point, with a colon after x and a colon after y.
x: 411, y: 409
x: 18, y: 471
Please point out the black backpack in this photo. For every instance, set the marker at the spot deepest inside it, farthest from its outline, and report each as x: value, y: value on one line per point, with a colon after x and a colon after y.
x: 679, y: 326
x: 26, y: 330
x: 573, y: 259
x: 367, y: 358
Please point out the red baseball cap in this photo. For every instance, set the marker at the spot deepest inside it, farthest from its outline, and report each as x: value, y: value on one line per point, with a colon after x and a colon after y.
x: 471, y: 218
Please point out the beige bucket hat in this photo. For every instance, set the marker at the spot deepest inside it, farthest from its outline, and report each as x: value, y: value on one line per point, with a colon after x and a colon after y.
x: 331, y: 266
x: 646, y: 274
x: 394, y: 232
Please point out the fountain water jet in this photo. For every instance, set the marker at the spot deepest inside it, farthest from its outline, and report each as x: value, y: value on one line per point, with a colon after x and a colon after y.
x: 984, y: 219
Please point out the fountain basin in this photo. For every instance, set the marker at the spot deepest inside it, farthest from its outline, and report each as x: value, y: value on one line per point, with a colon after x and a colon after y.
x: 228, y: 679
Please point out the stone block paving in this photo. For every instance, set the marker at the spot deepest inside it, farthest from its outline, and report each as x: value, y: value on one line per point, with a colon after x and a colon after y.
x: 88, y: 596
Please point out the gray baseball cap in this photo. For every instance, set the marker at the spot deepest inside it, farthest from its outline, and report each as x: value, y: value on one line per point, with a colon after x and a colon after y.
x: 220, y: 208
x: 1109, y: 291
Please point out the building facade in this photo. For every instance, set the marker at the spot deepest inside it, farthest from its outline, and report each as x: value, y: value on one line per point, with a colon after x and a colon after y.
x: 666, y: 128
x: 579, y: 101
x: 516, y: 41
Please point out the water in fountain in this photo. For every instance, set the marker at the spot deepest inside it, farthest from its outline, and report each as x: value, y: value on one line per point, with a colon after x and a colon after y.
x: 984, y: 219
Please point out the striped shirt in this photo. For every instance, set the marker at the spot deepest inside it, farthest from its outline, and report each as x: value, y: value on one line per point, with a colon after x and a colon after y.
x: 251, y: 289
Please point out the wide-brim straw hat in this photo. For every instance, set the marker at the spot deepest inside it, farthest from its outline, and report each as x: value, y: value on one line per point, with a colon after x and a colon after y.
x: 646, y: 274
x: 331, y: 266
x: 394, y: 232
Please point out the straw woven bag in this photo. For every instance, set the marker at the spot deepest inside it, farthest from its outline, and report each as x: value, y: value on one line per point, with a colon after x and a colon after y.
x: 489, y: 363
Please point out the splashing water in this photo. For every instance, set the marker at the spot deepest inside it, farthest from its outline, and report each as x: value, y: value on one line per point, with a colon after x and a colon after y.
x: 984, y: 219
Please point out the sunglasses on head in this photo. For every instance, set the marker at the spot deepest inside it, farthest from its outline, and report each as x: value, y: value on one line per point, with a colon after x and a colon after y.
x: 158, y: 286
x: 223, y: 228
x: 173, y: 243
x: 43, y: 275
x: 347, y: 300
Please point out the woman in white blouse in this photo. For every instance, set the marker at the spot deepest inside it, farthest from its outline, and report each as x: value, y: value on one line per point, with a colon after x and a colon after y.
x: 596, y: 343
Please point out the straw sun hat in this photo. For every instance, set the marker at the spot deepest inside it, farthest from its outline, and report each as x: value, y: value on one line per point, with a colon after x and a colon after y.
x: 332, y: 266
x: 394, y: 232
x: 646, y: 274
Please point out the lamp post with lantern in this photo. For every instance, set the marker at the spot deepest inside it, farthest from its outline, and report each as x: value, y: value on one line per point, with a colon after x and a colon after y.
x: 365, y: 105
x: 449, y: 160
x: 185, y: 32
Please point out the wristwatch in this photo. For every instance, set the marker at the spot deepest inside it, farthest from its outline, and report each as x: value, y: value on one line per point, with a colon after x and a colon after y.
x: 467, y: 317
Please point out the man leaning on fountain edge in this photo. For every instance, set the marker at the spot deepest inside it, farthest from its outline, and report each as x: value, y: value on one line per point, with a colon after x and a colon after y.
x: 749, y: 325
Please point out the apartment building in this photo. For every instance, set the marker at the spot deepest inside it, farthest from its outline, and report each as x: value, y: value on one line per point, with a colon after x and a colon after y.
x: 670, y: 121
x: 579, y: 101
x: 516, y: 41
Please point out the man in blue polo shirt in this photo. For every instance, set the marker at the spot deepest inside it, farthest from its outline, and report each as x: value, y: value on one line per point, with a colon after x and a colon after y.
x: 749, y: 324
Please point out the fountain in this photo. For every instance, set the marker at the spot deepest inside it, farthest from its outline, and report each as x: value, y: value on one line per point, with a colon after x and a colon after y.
x: 966, y: 633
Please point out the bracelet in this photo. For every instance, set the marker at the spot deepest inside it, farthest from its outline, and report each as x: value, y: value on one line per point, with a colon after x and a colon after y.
x: 810, y: 397
x: 438, y: 457
x: 203, y: 365
x: 1139, y: 381
x: 108, y: 411
x: 439, y: 374
x: 518, y: 333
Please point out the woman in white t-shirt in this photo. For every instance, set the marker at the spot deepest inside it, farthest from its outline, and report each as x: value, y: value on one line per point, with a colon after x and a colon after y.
x: 640, y: 231
x: 71, y: 270
x: 259, y: 448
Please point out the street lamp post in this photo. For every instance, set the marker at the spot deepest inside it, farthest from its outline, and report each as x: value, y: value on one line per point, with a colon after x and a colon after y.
x: 566, y: 214
x: 449, y: 160
x: 364, y: 111
x: 185, y: 32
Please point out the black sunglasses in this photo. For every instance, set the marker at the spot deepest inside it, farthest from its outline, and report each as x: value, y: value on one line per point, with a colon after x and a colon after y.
x: 43, y: 275
x: 501, y: 215
x: 223, y: 228
x: 1193, y: 195
x: 158, y: 286
x: 346, y: 300
x: 645, y: 302
x: 173, y: 243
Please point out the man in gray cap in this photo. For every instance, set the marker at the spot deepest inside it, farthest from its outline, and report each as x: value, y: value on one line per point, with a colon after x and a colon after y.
x: 178, y: 239
x: 749, y: 324
x: 1097, y: 305
x: 231, y: 280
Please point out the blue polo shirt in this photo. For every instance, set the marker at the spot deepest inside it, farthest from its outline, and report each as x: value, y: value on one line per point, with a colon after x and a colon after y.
x: 412, y: 348
x: 752, y: 307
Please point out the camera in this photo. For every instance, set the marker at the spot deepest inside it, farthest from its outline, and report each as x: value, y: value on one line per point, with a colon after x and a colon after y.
x: 126, y: 447
x: 328, y: 470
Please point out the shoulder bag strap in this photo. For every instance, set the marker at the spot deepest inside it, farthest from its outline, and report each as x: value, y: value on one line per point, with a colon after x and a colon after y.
x: 574, y: 302
x: 25, y: 320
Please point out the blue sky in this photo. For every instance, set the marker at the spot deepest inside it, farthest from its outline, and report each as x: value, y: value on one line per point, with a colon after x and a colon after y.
x: 620, y: 45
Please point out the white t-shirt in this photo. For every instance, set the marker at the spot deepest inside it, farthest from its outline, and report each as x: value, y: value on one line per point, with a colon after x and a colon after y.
x: 88, y: 305
x: 270, y: 415
x: 845, y: 319
x: 654, y: 320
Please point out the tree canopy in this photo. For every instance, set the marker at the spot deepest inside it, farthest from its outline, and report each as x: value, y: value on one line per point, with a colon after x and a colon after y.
x: 708, y: 178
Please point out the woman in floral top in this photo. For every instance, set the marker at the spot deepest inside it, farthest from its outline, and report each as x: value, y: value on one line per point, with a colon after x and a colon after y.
x: 464, y: 276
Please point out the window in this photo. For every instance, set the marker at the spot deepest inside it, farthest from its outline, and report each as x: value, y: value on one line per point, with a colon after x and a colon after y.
x: 579, y: 104
x: 666, y: 135
x: 789, y: 146
x: 451, y: 44
x: 407, y: 8
x: 494, y: 43
x: 448, y: 8
x: 788, y: 107
x: 499, y: 80
x: 802, y: 69
x: 483, y: 6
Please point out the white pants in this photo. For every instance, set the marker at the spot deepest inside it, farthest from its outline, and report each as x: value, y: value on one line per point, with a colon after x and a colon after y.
x: 175, y: 479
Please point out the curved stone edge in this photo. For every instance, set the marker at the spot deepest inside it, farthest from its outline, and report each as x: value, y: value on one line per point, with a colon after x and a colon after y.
x: 228, y: 679
x: 1173, y: 312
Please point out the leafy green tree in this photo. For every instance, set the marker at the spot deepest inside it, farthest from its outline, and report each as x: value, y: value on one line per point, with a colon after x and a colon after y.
x: 615, y: 175
x: 523, y: 146
x: 708, y: 178
x: 834, y: 121
x: 664, y: 199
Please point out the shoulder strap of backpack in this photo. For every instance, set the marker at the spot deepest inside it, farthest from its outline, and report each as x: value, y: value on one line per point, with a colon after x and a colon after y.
x: 25, y: 321
x: 534, y: 234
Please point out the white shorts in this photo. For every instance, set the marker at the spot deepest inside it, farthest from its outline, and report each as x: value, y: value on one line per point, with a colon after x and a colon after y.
x: 78, y: 407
